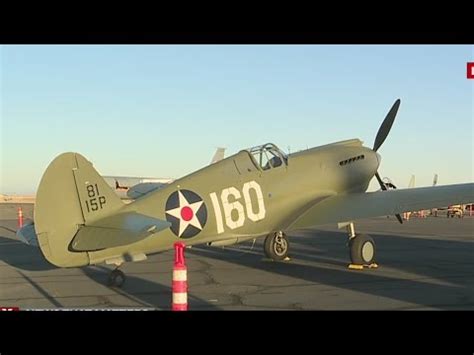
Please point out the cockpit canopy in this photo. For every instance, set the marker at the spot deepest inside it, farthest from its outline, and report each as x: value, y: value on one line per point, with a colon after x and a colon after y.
x: 268, y: 156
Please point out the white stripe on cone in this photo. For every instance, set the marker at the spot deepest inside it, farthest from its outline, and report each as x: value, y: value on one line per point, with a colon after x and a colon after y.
x: 180, y: 275
x: 180, y: 298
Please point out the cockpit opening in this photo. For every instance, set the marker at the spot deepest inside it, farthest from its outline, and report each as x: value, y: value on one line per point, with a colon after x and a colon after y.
x: 268, y: 156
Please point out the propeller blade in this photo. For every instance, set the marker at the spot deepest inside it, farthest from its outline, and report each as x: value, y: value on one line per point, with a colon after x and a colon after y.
x: 382, y: 134
x: 386, y: 125
x: 399, y: 218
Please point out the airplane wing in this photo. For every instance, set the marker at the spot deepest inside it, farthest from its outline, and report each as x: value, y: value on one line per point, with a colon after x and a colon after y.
x: 116, y: 230
x: 344, y: 208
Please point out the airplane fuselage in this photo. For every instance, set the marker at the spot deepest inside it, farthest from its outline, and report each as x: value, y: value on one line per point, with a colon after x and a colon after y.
x: 241, y: 200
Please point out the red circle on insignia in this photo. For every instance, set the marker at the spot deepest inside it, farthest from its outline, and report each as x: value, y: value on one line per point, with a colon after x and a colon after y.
x: 186, y: 213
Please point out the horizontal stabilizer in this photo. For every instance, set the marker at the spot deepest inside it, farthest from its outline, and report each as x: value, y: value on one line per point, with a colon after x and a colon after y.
x: 117, y: 230
x: 27, y: 235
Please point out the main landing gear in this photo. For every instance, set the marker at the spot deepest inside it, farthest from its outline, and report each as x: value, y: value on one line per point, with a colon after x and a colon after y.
x: 362, y: 249
x: 276, y: 246
x: 116, y: 278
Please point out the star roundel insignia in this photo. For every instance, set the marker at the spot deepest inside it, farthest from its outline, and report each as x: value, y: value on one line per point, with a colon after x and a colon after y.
x: 187, y: 213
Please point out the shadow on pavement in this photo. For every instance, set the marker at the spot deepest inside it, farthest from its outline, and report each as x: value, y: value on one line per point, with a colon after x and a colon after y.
x: 322, y: 258
x: 143, y: 292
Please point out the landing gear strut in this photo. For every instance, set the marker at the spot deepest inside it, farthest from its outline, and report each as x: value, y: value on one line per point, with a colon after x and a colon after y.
x: 362, y: 249
x: 276, y: 246
x: 116, y: 278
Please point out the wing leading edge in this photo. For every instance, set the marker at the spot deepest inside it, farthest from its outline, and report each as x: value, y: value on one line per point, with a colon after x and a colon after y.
x: 343, y: 208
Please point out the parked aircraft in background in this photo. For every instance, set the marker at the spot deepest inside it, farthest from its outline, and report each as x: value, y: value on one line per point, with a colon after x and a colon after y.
x: 218, y: 155
x: 131, y: 188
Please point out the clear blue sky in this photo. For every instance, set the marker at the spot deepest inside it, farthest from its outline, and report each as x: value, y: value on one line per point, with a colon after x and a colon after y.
x: 162, y: 110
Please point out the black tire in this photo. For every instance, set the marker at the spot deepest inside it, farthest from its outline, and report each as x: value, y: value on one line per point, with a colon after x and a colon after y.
x: 362, y: 249
x: 116, y: 278
x: 276, y: 246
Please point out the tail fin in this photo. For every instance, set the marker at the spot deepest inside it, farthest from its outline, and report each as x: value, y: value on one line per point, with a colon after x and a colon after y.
x: 71, y: 194
x: 435, y: 179
x: 411, y: 184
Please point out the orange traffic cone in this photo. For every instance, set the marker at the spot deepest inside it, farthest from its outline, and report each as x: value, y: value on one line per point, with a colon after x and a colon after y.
x: 20, y: 217
x: 180, y: 279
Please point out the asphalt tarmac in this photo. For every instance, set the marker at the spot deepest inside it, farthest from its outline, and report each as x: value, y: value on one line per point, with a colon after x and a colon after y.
x: 424, y: 264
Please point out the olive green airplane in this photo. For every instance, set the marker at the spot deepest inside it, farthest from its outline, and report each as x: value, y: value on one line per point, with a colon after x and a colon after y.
x: 255, y: 193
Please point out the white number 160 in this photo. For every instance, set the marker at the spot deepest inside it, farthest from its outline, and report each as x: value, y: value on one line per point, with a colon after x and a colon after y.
x: 252, y: 214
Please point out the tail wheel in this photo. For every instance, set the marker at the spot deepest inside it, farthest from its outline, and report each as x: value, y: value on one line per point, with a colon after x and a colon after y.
x: 276, y: 246
x: 362, y: 249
